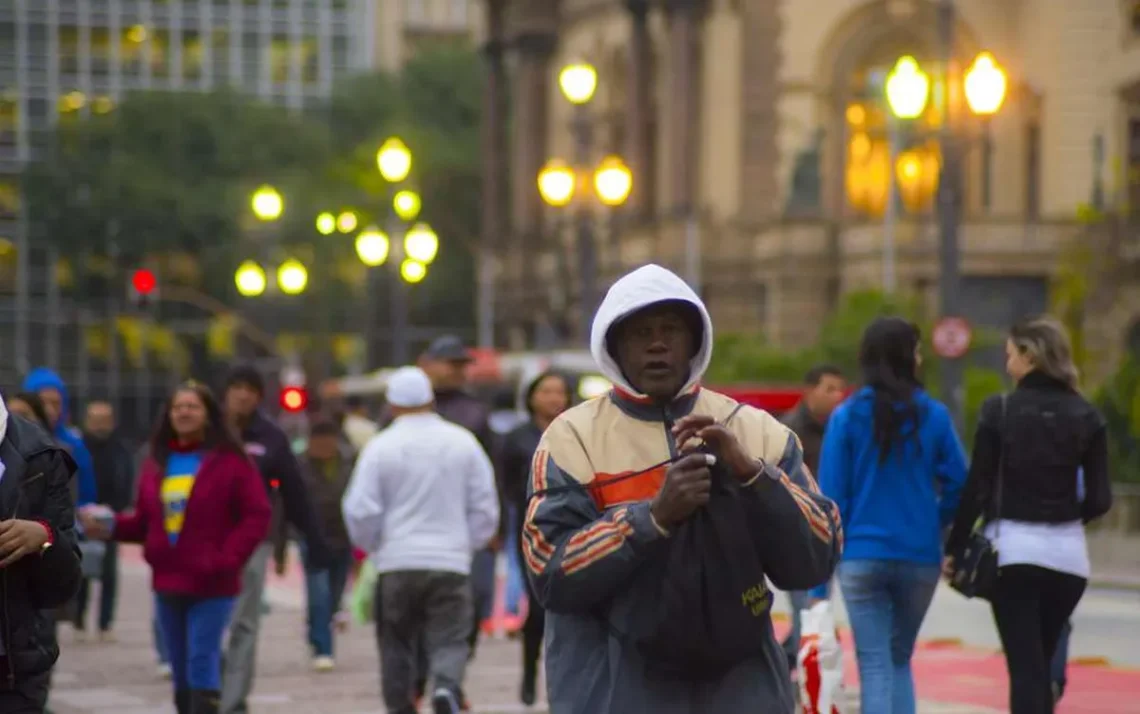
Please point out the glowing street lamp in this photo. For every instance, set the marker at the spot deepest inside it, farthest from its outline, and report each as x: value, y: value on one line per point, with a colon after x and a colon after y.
x: 613, y: 181
x: 250, y: 279
x: 578, y: 82
x: 292, y: 277
x: 908, y: 88
x: 372, y: 246
x: 326, y: 224
x: 556, y: 183
x: 346, y: 222
x: 412, y: 271
x: 421, y: 244
x: 985, y: 85
x: 394, y: 159
x: 407, y: 205
x: 267, y: 203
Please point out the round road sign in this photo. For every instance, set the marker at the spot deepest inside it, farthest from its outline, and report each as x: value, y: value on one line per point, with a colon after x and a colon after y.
x: 952, y: 337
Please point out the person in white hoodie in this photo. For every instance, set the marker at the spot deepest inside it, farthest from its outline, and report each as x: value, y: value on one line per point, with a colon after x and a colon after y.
x: 421, y: 501
x: 614, y: 478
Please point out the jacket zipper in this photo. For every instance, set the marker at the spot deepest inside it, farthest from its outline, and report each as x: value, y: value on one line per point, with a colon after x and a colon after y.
x: 669, y: 440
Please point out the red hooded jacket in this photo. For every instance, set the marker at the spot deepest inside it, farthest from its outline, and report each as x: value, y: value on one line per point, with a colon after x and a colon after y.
x: 227, y: 517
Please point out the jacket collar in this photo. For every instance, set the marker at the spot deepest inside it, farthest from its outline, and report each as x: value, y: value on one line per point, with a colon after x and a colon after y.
x: 646, y: 409
x: 1039, y: 380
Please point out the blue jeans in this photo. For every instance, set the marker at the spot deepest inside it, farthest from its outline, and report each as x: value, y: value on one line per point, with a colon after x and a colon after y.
x: 886, y: 603
x: 324, y: 590
x: 516, y: 582
x: 159, y: 641
x: 193, y: 629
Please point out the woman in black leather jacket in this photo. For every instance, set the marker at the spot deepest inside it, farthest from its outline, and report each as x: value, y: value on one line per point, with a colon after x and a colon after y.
x: 546, y: 396
x: 1039, y: 473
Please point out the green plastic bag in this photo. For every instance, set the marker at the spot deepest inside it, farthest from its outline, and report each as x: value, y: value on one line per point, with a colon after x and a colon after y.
x: 363, y: 592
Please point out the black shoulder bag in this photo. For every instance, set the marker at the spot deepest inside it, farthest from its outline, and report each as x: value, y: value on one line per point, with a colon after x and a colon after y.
x: 976, y: 565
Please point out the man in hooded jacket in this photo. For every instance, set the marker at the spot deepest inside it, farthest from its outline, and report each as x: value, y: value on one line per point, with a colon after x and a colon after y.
x: 49, y: 385
x: 652, y: 337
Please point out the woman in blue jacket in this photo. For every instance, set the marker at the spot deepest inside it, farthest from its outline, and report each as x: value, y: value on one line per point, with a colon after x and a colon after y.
x: 894, y: 465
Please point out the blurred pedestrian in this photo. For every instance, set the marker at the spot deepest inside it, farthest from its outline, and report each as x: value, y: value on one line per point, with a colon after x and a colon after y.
x: 29, y: 406
x: 272, y: 452
x: 824, y: 387
x: 39, y: 558
x: 615, y: 477
x: 1029, y: 448
x: 53, y: 392
x: 893, y: 463
x: 201, y: 511
x: 546, y: 396
x: 421, y: 500
x: 114, y: 483
x: 358, y: 428
x: 327, y: 467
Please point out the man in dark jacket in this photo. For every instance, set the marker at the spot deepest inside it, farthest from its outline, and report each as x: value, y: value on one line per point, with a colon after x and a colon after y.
x: 327, y: 468
x: 270, y: 449
x: 824, y: 387
x: 114, y: 485
x: 39, y: 558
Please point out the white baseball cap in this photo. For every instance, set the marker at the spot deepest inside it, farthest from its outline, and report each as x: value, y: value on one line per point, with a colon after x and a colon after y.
x: 409, y: 387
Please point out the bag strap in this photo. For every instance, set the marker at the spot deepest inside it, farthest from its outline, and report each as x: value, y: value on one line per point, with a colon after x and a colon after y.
x: 1000, y: 477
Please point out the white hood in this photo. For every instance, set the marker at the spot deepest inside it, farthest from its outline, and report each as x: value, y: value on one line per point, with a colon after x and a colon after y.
x: 643, y: 287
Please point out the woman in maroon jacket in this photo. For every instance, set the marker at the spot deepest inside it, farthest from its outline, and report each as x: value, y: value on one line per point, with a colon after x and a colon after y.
x: 201, y: 511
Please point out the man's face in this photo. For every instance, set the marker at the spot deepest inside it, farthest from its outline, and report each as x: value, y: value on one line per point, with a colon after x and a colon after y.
x: 445, y: 374
x: 100, y: 420
x: 53, y: 404
x: 241, y: 400
x: 654, y: 348
x: 323, y: 446
x: 825, y: 396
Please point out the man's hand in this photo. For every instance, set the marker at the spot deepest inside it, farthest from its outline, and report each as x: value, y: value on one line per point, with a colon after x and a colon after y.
x: 690, y: 431
x: 19, y: 539
x: 686, y: 488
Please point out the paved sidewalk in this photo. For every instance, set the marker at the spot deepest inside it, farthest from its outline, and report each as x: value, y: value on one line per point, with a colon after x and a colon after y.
x: 121, y: 678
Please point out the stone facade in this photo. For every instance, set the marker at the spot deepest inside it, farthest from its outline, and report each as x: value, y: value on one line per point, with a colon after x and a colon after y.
x: 764, y: 97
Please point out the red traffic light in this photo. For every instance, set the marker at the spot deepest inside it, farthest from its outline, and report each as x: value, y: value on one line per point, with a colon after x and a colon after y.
x: 144, y: 281
x: 294, y: 399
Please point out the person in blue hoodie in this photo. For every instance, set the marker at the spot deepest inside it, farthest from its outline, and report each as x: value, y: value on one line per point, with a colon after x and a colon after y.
x: 893, y: 463
x: 51, y: 389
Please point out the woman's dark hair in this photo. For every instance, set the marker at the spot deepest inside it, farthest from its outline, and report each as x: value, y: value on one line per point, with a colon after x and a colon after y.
x: 539, y: 379
x: 219, y: 436
x: 890, y: 369
x: 37, y: 405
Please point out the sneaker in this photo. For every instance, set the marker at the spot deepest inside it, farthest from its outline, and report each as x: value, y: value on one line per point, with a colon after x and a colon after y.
x: 164, y: 671
x: 323, y: 663
x: 107, y: 636
x: 443, y: 701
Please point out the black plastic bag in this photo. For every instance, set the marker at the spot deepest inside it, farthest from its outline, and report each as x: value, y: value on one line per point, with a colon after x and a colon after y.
x: 714, y: 607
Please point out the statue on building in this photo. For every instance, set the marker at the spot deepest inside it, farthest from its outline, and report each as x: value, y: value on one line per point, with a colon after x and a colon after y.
x: 805, y: 197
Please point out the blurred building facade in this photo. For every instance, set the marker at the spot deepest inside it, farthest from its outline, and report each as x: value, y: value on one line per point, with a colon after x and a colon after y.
x: 762, y: 125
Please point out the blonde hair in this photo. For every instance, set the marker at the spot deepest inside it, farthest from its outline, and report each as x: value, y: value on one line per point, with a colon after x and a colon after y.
x: 1045, y: 342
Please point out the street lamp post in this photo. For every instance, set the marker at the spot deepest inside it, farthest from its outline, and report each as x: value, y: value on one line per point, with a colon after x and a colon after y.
x: 985, y: 89
x: 558, y: 183
x: 907, y: 90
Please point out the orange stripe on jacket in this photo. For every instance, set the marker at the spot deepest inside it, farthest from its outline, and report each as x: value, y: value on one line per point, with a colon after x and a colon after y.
x: 608, y: 491
x: 593, y: 554
x: 813, y: 514
x: 596, y: 533
x: 536, y: 549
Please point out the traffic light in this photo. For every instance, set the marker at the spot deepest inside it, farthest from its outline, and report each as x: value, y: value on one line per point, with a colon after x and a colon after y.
x: 294, y: 399
x: 144, y: 287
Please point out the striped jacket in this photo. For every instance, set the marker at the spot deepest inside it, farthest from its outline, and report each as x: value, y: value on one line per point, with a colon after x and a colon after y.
x: 583, y: 546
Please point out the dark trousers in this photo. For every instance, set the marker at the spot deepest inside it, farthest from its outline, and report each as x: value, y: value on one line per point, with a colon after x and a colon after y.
x: 1060, y: 675
x: 534, y: 628
x: 418, y: 613
x: 108, y: 590
x: 1031, y: 606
